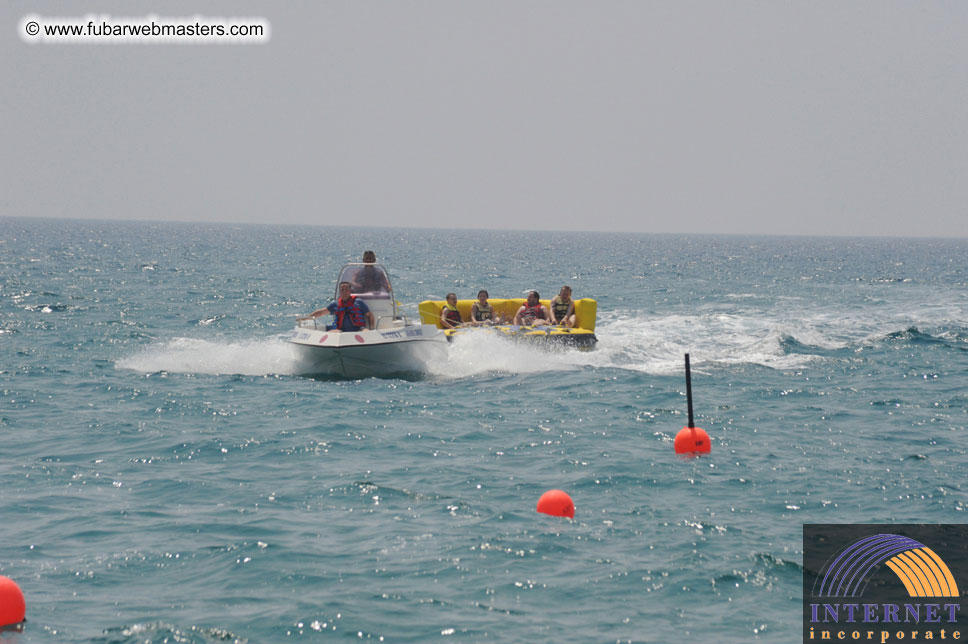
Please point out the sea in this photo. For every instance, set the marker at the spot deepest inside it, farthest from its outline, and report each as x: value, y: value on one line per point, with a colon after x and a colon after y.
x: 168, y: 475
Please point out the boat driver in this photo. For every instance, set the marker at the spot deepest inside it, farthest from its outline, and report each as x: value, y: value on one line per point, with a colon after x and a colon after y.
x: 349, y: 313
x: 532, y: 313
x: 370, y: 279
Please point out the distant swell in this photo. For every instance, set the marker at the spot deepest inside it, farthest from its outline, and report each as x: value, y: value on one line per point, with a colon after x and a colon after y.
x: 956, y: 338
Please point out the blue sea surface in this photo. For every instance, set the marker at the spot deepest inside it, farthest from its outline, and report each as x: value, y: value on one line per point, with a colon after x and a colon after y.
x: 166, y: 475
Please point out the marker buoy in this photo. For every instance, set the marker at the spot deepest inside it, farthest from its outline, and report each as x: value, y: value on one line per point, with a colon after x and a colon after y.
x: 557, y: 504
x: 12, y: 605
x: 691, y: 440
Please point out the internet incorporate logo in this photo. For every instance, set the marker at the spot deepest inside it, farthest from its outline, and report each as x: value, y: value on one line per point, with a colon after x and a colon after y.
x: 864, y: 584
x: 922, y: 572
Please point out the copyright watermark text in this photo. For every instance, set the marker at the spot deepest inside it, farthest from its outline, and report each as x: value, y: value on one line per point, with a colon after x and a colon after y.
x: 150, y: 29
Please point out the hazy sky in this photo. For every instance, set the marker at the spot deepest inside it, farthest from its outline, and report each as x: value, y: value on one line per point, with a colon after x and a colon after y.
x: 806, y: 117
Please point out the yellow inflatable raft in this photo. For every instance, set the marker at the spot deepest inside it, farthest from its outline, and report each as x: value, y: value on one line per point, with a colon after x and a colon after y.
x: 582, y: 336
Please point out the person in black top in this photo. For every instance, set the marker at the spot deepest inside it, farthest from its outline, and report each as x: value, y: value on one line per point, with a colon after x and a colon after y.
x: 482, y: 313
x: 563, y: 308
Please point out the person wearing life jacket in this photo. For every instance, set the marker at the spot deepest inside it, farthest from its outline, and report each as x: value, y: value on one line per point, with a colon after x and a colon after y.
x: 532, y: 313
x: 563, y: 308
x: 349, y: 313
x: 482, y: 313
x: 449, y: 315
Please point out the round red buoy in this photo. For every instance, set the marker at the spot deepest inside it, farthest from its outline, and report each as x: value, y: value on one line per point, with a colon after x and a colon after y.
x: 557, y: 504
x: 12, y: 606
x: 692, y: 441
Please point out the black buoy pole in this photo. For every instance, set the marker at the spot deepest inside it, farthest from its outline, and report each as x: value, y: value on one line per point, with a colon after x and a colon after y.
x: 691, y: 440
x: 689, y: 391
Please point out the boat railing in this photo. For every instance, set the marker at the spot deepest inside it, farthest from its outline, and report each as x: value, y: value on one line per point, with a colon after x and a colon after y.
x: 382, y: 322
x: 308, y: 322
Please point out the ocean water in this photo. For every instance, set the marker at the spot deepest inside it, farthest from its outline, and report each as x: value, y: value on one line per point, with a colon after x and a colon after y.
x: 166, y: 475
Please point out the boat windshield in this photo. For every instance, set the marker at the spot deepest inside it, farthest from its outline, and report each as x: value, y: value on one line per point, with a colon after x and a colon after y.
x: 367, y: 280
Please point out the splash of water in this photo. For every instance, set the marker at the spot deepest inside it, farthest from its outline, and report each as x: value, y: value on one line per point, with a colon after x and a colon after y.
x: 482, y: 352
x: 268, y: 356
x: 650, y: 344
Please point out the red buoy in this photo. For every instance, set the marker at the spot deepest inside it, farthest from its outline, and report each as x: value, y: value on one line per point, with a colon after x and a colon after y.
x: 692, y: 441
x: 12, y: 605
x: 557, y: 504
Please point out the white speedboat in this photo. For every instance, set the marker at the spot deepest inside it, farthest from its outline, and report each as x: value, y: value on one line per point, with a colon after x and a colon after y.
x: 395, y: 346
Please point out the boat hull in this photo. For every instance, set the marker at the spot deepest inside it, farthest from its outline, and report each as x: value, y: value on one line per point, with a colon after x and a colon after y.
x: 398, y: 351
